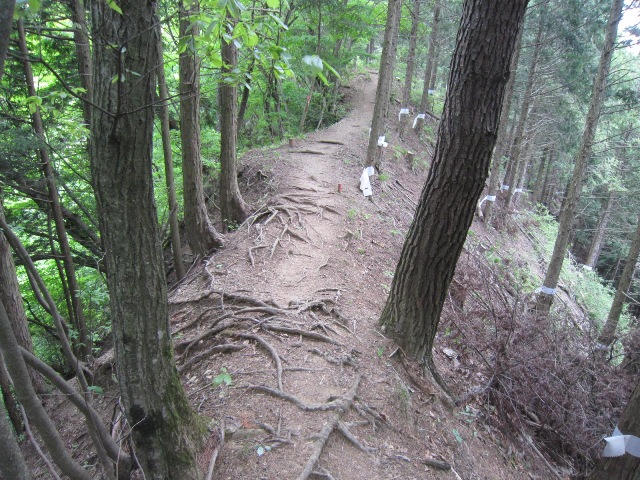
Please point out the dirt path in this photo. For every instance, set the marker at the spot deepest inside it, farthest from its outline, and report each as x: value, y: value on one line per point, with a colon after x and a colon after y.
x: 276, y: 335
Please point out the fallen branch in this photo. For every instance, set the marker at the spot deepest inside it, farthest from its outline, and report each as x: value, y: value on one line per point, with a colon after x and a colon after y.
x: 345, y: 403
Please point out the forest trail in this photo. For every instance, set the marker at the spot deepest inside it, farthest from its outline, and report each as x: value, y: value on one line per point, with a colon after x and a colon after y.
x: 276, y: 334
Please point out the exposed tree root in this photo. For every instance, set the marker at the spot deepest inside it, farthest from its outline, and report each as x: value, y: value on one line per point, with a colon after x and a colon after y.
x: 271, y: 350
x: 344, y: 404
x: 208, y: 353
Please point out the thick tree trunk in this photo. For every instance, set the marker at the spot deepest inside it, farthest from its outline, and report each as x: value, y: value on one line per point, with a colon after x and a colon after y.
x: 83, y: 344
x: 27, y: 397
x: 385, y: 76
x: 83, y: 53
x: 601, y: 228
x: 201, y: 234
x: 232, y: 207
x: 607, y: 336
x: 164, y: 429
x: 625, y: 467
x: 570, y: 202
x: 503, y: 134
x: 410, y: 61
x: 431, y: 62
x: 466, y: 137
x: 174, y: 226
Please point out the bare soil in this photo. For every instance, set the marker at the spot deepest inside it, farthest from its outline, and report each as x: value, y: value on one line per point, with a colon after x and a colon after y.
x: 277, y: 338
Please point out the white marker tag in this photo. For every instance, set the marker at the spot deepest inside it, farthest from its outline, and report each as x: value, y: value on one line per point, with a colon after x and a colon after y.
x: 381, y: 141
x: 415, y: 120
x: 504, y: 187
x: 365, y: 184
x: 518, y: 190
x: 619, y: 444
x: 547, y: 290
x: 403, y: 111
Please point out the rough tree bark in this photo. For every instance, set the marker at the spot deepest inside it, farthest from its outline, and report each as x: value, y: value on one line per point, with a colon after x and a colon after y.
x: 431, y: 60
x: 607, y: 336
x: 601, y: 228
x: 164, y: 429
x: 233, y: 209
x: 570, y: 202
x: 83, y: 344
x: 466, y: 137
x: 174, y: 226
x: 385, y: 76
x: 411, y: 58
x: 625, y: 467
x: 201, y: 233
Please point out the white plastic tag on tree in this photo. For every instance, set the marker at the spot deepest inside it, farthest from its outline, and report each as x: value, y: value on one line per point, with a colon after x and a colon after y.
x: 518, y: 190
x: 504, y: 187
x: 415, y: 120
x: 487, y: 198
x: 381, y: 142
x: 403, y: 111
x: 546, y: 290
x: 619, y: 444
x: 365, y: 184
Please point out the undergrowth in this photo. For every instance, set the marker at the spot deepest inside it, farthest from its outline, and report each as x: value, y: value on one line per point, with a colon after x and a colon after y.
x: 536, y: 377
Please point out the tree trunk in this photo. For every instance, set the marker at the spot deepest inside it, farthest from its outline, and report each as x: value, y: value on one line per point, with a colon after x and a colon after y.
x: 466, y: 137
x: 517, y: 159
x: 6, y: 21
x: 385, y: 76
x: 83, y: 53
x: 625, y: 467
x: 174, y: 226
x: 570, y: 202
x: 164, y: 429
x: 8, y: 399
x: 607, y: 336
x: 201, y: 234
x: 12, y: 464
x: 542, y: 167
x: 27, y: 397
x: 232, y: 207
x: 410, y: 61
x: 431, y: 60
x: 601, y: 228
x: 83, y: 344
x: 503, y: 133
x: 12, y: 299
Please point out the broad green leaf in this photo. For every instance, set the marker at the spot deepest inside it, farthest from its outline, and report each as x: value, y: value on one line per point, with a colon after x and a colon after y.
x: 114, y: 6
x: 313, y: 64
x: 273, y: 4
x: 279, y: 21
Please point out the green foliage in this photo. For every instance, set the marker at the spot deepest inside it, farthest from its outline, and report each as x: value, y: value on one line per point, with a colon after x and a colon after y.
x: 223, y: 378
